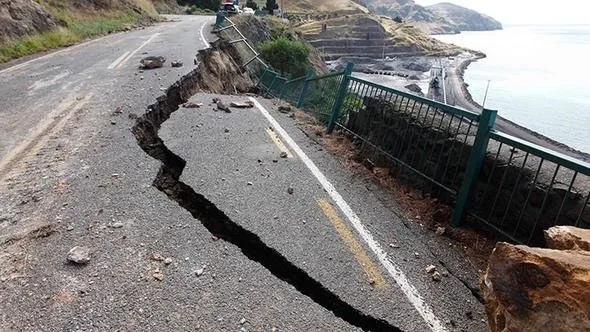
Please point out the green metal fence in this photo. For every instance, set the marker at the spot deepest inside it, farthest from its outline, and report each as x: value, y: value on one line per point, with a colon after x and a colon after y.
x: 524, y: 189
x: 512, y: 186
x: 314, y: 94
x: 430, y: 139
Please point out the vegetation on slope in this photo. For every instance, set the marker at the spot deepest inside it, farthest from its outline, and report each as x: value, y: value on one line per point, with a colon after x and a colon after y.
x: 78, y: 20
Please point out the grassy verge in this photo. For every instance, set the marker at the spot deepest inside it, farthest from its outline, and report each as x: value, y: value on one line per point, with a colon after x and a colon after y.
x: 74, y: 28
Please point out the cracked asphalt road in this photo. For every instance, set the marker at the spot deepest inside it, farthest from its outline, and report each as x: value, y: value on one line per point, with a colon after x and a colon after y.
x: 71, y: 174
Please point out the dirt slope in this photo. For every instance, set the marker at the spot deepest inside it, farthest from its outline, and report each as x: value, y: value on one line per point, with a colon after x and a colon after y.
x: 20, y: 17
x: 29, y: 17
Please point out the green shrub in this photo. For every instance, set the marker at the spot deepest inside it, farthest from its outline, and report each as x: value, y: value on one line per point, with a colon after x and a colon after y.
x: 290, y: 57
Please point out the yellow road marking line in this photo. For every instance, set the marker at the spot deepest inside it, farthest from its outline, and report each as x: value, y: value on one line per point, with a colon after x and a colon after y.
x: 371, y: 270
x: 278, y: 142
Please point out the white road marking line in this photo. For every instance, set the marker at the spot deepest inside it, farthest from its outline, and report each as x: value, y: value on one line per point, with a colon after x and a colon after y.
x: 71, y: 48
x: 203, y: 36
x: 395, y: 272
x: 116, y: 62
x: 137, y: 49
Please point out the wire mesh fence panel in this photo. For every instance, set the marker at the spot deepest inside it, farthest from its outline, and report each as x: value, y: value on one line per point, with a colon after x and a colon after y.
x: 292, y: 90
x: 524, y: 189
x: 395, y: 128
x: 321, y: 94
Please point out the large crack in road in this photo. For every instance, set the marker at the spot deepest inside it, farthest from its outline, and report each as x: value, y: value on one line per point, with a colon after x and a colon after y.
x: 217, y: 222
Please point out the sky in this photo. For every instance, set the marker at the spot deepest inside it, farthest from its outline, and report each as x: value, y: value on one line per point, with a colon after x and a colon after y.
x: 527, y: 11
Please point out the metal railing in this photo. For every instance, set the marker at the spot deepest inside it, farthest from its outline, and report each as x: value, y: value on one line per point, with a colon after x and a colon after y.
x: 524, y: 189
x: 510, y: 185
x: 249, y: 58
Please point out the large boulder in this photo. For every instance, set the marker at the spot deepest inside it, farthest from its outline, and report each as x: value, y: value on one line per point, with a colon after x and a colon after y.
x: 568, y: 238
x: 534, y: 289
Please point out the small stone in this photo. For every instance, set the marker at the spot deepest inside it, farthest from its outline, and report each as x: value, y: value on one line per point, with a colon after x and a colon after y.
x: 113, y: 122
x: 158, y: 275
x: 436, y: 276
x: 214, y: 238
x: 440, y: 230
x: 141, y: 78
x: 176, y: 63
x: 243, y: 321
x: 275, y: 160
x: 250, y: 183
x: 304, y: 221
x: 79, y: 255
x: 117, y: 225
x: 156, y: 256
x: 393, y: 245
x: 168, y: 261
x: 226, y: 130
x: 283, y: 154
x: 70, y: 228
x: 430, y: 269
x: 199, y: 272
x: 290, y: 190
x: 417, y: 255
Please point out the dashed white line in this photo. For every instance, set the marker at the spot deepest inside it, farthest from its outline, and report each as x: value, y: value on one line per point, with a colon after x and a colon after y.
x: 130, y: 55
x: 118, y: 61
x: 395, y: 272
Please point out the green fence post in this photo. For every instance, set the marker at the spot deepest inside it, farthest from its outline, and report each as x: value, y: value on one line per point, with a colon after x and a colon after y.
x: 219, y: 20
x: 308, y: 77
x: 478, y: 154
x: 340, y: 97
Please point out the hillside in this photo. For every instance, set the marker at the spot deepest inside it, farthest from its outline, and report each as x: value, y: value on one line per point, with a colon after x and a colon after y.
x: 465, y: 19
x: 28, y: 26
x: 366, y: 35
x: 441, y: 18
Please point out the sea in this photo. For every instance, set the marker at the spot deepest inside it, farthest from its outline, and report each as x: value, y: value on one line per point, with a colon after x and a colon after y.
x: 539, y: 77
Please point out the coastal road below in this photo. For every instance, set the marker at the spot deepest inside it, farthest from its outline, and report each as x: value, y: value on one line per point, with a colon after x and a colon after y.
x: 72, y: 174
x: 458, y: 95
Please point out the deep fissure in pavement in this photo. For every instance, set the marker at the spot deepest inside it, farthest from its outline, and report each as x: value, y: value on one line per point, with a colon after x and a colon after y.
x: 217, y: 222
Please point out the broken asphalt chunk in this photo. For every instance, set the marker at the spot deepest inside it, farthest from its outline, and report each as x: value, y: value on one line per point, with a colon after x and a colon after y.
x: 152, y: 62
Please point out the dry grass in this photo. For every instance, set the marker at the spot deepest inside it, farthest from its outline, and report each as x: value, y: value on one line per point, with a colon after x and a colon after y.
x: 76, y: 24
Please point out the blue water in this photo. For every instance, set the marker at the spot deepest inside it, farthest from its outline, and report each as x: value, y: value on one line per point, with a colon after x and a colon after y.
x: 540, y: 77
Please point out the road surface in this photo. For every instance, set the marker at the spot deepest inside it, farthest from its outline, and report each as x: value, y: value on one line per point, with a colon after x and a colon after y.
x: 72, y: 174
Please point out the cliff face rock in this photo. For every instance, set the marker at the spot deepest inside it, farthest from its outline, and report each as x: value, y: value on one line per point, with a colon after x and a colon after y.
x: 533, y: 289
x: 465, y: 19
x: 442, y: 18
x: 20, y: 17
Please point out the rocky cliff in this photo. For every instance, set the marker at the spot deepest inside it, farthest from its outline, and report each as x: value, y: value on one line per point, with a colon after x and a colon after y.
x: 21, y: 17
x: 436, y: 19
x: 465, y: 19
x: 29, y: 17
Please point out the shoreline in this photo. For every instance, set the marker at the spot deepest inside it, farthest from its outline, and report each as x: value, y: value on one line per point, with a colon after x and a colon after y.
x: 476, y: 107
